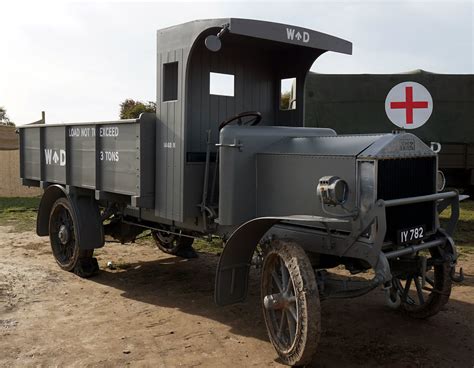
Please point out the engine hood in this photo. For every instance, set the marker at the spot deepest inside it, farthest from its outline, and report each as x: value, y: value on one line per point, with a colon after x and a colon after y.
x: 337, y: 145
x: 399, y: 145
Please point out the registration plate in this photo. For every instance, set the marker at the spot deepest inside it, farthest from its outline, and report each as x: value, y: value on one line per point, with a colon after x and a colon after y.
x: 410, y: 235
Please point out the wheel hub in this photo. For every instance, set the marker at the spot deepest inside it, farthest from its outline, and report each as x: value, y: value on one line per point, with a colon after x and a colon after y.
x: 278, y: 301
x: 63, y: 234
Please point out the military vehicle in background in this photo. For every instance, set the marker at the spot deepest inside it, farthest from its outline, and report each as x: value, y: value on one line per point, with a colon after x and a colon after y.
x: 355, y: 104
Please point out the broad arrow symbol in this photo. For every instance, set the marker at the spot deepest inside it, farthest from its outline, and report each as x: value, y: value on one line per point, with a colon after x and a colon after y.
x: 55, y: 157
x: 298, y: 36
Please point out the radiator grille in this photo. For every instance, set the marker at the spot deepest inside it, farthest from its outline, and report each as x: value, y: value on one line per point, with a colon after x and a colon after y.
x: 401, y: 178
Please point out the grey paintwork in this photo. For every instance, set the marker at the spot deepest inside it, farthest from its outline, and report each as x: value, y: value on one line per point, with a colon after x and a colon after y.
x: 324, y: 145
x: 400, y: 145
x: 258, y: 54
x: 108, y: 157
x: 238, y: 175
x: 277, y: 169
x: 286, y: 184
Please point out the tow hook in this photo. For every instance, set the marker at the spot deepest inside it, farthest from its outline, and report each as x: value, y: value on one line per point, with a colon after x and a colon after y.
x: 453, y: 276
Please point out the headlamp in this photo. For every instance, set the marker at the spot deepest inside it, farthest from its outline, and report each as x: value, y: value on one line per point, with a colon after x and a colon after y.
x: 332, y: 190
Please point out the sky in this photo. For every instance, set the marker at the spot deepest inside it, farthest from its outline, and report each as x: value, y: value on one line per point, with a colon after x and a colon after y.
x: 78, y: 60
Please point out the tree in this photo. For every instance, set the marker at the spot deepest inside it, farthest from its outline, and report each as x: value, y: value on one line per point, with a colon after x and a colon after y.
x: 131, y: 109
x: 4, y: 119
x: 285, y: 101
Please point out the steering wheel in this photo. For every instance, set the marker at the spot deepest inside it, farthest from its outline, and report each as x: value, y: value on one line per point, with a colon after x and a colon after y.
x: 256, y: 118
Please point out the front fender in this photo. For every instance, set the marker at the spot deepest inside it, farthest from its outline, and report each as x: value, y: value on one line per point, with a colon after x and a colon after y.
x: 234, y: 264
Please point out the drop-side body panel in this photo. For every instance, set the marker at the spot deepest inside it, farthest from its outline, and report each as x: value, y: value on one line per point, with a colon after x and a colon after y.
x: 107, y: 157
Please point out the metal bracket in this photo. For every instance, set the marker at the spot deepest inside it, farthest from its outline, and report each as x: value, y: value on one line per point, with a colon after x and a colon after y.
x: 236, y: 144
x: 452, y: 201
x: 375, y: 214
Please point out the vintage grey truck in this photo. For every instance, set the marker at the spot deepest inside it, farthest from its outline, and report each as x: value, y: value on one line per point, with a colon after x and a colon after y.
x: 227, y: 154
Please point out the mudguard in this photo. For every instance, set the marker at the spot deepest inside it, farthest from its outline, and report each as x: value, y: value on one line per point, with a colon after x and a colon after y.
x: 90, y: 232
x: 234, y: 264
x: 51, y: 194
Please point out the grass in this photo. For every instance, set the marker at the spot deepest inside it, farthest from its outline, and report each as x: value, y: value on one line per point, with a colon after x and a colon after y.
x: 464, y: 233
x: 215, y: 246
x: 21, y: 214
x: 465, y: 250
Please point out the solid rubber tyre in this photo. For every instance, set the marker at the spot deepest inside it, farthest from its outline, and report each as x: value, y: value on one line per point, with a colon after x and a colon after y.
x: 170, y: 243
x: 436, y: 299
x: 66, y: 251
x: 300, y: 347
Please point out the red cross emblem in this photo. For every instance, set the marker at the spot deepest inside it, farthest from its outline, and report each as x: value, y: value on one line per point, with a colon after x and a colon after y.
x: 409, y: 104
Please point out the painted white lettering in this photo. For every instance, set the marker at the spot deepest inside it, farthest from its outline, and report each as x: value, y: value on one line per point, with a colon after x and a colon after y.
x: 112, y: 156
x: 290, y: 33
x: 48, y: 154
x: 305, y: 37
x: 62, y: 157
x: 169, y: 144
x: 74, y: 132
x: 84, y: 132
x: 109, y: 131
x: 436, y: 147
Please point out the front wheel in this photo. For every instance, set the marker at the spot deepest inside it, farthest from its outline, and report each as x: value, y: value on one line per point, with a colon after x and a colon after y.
x: 291, y: 306
x: 63, y: 238
x: 421, y: 292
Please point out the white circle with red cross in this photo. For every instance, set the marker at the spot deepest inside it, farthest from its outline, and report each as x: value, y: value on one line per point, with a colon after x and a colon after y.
x: 409, y: 105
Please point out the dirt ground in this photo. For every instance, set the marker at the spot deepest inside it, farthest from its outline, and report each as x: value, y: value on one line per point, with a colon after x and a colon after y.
x: 156, y: 310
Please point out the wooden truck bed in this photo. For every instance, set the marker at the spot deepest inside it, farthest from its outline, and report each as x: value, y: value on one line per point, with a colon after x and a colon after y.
x: 115, y: 158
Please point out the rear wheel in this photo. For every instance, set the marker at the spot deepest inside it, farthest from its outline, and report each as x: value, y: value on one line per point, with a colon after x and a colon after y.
x: 291, y: 306
x: 63, y: 238
x: 174, y: 244
x: 422, y: 295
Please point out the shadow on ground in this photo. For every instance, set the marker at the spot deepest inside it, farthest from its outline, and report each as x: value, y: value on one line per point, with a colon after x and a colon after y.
x: 356, y: 332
